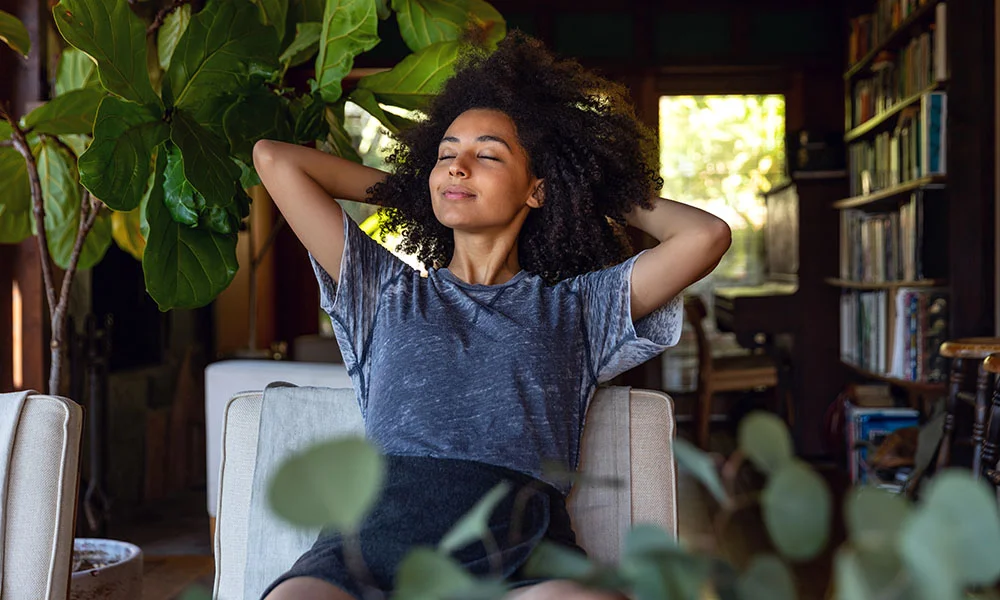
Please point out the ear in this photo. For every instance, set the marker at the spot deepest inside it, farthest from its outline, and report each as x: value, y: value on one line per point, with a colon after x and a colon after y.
x: 537, y: 198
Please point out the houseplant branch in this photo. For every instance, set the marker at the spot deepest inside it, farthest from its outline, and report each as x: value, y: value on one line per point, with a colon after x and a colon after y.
x: 90, y: 208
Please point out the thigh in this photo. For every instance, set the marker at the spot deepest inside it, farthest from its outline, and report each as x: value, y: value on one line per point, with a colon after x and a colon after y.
x: 559, y: 589
x: 307, y: 588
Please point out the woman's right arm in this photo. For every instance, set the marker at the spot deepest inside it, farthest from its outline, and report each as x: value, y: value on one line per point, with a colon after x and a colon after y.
x: 303, y: 183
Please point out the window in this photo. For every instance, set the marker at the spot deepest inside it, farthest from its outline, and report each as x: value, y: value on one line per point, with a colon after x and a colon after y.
x: 719, y: 153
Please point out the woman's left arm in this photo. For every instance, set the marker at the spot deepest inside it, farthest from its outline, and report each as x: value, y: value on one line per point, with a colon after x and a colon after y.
x: 692, y: 243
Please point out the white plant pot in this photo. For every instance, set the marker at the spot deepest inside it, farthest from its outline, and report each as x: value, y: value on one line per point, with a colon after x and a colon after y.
x: 116, y: 576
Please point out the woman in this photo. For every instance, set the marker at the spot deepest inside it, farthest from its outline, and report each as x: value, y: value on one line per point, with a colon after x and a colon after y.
x: 513, y: 193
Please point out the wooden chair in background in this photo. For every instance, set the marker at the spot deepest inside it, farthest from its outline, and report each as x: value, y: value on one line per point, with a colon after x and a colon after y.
x: 723, y: 374
x: 991, y: 364
x: 959, y: 351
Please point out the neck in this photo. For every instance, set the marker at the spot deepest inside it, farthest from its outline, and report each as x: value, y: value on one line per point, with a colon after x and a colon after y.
x: 485, y: 259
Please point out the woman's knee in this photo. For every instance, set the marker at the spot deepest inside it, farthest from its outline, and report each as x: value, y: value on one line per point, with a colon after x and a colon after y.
x: 561, y: 589
x: 307, y: 588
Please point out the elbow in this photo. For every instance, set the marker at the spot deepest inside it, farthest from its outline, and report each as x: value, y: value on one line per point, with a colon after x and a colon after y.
x: 264, y: 155
x: 718, y: 237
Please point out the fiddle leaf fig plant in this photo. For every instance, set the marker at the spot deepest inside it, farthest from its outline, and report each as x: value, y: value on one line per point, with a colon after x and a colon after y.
x: 942, y: 547
x: 156, y: 106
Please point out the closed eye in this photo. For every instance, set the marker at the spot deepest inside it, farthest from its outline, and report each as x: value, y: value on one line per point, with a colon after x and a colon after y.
x: 490, y: 158
x: 440, y: 158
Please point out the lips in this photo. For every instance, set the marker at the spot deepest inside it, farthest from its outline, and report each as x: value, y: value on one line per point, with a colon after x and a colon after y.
x: 457, y: 192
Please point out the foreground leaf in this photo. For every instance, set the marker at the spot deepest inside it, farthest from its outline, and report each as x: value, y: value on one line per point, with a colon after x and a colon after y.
x: 961, y: 515
x: 426, y: 22
x: 796, y: 508
x: 224, y: 47
x: 14, y: 34
x: 109, y: 32
x: 474, y: 525
x: 427, y: 575
x: 764, y: 439
x: 170, y: 34
x: 72, y: 112
x: 61, y: 191
x: 557, y: 562
x: 76, y: 70
x: 875, y: 517
x: 15, y: 201
x: 183, y: 267
x: 334, y: 483
x: 350, y: 27
x: 702, y: 467
x: 767, y: 578
x: 116, y: 166
x: 206, y: 161
x: 413, y: 82
x: 338, y: 141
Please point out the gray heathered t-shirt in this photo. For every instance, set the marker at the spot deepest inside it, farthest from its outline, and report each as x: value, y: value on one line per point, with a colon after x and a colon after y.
x: 500, y: 374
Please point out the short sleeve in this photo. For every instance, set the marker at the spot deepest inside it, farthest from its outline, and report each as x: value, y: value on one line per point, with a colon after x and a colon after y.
x: 352, y: 302
x: 615, y: 343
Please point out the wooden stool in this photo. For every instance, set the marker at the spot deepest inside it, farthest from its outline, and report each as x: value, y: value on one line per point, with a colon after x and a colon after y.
x: 959, y: 351
x: 991, y: 364
x: 723, y: 374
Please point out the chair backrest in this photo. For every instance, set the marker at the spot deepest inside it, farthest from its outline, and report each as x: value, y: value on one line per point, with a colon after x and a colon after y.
x: 695, y: 313
x: 40, y: 508
x: 628, y: 437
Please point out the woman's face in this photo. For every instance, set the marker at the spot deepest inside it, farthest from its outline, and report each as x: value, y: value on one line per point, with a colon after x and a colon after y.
x: 481, y: 181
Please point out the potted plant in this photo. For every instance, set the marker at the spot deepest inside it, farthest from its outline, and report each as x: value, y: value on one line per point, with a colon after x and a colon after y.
x: 147, y: 139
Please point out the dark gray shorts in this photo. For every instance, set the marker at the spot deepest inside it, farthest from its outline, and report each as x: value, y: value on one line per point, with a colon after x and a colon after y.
x: 422, y: 498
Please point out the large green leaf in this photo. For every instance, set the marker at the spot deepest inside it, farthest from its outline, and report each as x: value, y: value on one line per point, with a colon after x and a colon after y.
x: 5, y: 130
x: 170, y: 34
x: 256, y: 115
x: 304, y: 46
x: 308, y: 118
x: 350, y: 27
x: 14, y: 34
x: 76, y: 70
x: 307, y: 10
x: 183, y: 201
x: 764, y: 439
x: 796, y: 505
x: 15, y: 201
x: 426, y: 22
x: 334, y: 483
x: 72, y: 112
x: 184, y: 267
x: 391, y: 121
x: 206, y: 161
x: 225, y: 45
x: 416, y: 79
x: 62, y: 210
x: 116, y: 166
x: 273, y: 13
x: 109, y: 32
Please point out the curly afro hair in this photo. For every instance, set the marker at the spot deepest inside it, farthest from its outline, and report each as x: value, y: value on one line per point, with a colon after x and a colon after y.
x: 581, y: 136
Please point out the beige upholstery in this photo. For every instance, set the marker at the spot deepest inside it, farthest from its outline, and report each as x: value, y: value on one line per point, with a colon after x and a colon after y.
x: 628, y: 436
x: 41, y: 504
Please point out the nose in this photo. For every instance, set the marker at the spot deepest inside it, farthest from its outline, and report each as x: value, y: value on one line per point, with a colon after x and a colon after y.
x: 457, y: 168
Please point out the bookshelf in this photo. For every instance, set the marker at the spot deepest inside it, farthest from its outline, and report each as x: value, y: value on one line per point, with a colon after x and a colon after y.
x: 893, y: 279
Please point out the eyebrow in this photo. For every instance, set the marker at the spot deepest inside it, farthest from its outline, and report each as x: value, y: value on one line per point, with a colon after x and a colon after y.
x: 482, y: 138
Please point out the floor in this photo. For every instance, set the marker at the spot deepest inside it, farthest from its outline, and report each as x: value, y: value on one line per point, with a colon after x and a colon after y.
x: 175, y: 540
